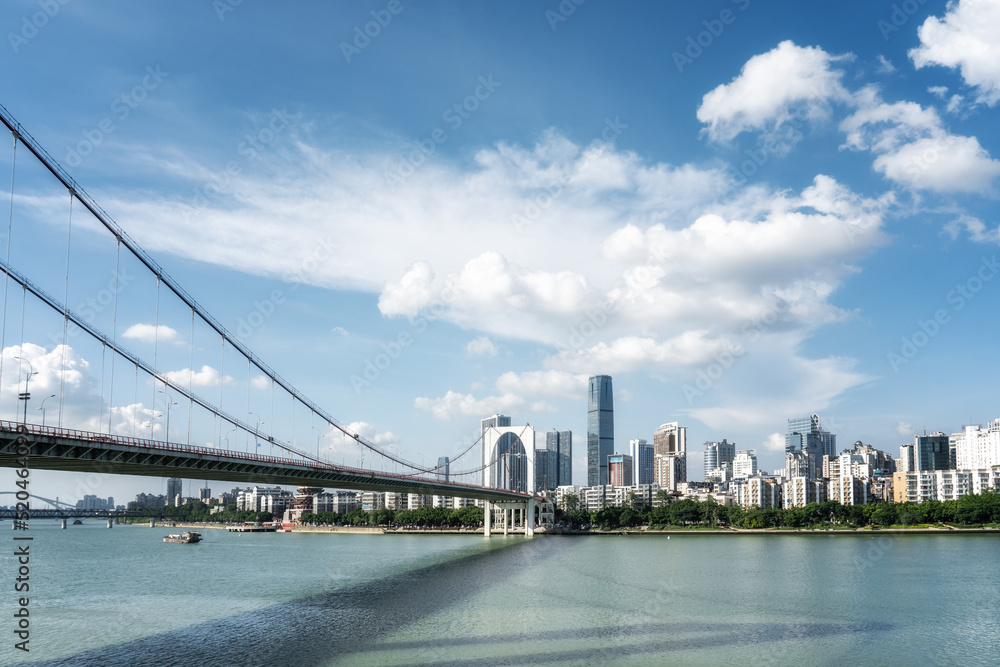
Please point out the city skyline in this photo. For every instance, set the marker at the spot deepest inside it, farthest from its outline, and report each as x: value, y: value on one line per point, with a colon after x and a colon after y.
x: 422, y: 241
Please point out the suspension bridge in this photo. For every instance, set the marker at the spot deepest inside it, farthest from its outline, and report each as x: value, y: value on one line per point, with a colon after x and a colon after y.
x: 100, y: 424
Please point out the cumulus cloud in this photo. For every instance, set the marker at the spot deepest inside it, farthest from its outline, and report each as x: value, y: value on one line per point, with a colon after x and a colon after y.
x: 964, y: 38
x: 481, y: 346
x: 544, y: 383
x: 905, y: 428
x: 150, y: 333
x: 206, y: 377
x: 774, y: 443
x: 915, y: 150
x: 773, y: 88
x: 453, y: 405
x: 975, y: 228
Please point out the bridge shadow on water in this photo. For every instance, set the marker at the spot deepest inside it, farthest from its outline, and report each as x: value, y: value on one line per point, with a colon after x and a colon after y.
x: 348, y: 623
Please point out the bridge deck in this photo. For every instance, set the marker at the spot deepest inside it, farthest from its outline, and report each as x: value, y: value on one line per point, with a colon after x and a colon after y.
x: 51, y: 448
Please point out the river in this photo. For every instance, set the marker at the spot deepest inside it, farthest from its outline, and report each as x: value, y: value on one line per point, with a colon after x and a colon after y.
x: 124, y: 597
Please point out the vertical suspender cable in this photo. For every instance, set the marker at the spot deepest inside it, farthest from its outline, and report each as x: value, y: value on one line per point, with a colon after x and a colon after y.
x: 191, y: 380
x: 6, y: 277
x: 222, y: 384
x: 65, y: 342
x: 114, y: 333
x: 156, y: 368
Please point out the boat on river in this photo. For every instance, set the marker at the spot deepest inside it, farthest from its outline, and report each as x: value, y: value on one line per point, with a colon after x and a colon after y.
x: 187, y: 537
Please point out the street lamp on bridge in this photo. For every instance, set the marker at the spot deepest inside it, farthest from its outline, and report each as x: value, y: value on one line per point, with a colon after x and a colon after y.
x: 170, y: 404
x: 25, y: 395
x: 42, y: 408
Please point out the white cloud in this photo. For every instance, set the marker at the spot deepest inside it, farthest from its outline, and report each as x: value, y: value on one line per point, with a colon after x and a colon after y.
x: 150, y: 333
x: 260, y: 382
x: 773, y: 88
x: 206, y: 377
x: 341, y: 331
x: 965, y: 38
x: 543, y: 383
x: 976, y: 229
x: 775, y: 443
x: 905, y: 428
x: 481, y: 346
x: 632, y: 353
x: 367, y: 431
x: 914, y: 149
x: 453, y: 405
x: 885, y: 65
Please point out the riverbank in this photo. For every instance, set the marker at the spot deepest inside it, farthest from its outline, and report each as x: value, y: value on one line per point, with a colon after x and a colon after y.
x: 372, y: 530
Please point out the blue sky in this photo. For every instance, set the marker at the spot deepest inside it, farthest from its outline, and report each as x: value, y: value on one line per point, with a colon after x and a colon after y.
x: 742, y: 211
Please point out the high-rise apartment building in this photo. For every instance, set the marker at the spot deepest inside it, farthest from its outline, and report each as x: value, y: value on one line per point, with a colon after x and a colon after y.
x: 977, y: 447
x: 744, y: 464
x: 620, y: 470
x: 670, y: 455
x: 600, y: 429
x: 642, y: 461
x: 718, y: 454
x: 806, y: 435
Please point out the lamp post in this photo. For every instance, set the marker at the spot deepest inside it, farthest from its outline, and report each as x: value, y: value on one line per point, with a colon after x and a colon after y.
x: 42, y: 408
x: 256, y: 430
x: 170, y: 403
x: 25, y: 395
x: 227, y: 437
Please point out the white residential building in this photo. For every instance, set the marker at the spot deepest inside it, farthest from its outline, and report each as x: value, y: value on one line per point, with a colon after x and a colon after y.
x: 949, y: 484
x: 977, y: 447
x: 745, y: 464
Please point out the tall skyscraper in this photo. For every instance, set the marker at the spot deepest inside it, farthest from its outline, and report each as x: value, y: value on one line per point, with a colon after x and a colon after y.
x: 717, y: 454
x: 642, y: 461
x: 565, y: 458
x: 174, y: 489
x: 600, y: 429
x: 559, y: 468
x: 443, y: 468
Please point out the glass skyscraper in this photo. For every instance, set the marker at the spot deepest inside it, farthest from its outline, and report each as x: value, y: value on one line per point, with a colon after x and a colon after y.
x: 600, y: 429
x: 559, y: 466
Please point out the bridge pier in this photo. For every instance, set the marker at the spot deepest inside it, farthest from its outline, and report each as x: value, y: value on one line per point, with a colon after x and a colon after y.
x: 152, y: 523
x: 487, y: 517
x: 529, y: 519
x: 109, y: 522
x: 62, y: 524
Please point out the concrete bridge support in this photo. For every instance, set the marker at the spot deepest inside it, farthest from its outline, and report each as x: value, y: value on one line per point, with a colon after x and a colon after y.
x: 62, y: 524
x: 110, y: 522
